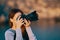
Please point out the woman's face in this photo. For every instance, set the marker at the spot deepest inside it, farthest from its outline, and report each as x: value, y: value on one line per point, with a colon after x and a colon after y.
x: 18, y: 14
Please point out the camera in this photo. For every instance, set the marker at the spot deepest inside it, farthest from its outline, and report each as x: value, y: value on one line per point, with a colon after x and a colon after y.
x: 32, y: 16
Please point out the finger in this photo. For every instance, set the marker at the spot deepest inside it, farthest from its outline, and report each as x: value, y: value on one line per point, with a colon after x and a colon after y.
x: 23, y: 23
x: 19, y: 17
x: 21, y: 20
x: 25, y: 20
x: 29, y: 21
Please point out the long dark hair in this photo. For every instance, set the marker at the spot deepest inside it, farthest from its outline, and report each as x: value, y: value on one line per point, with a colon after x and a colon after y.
x: 12, y: 13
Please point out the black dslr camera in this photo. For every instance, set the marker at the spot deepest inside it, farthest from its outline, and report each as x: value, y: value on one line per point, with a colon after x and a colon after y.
x: 32, y: 16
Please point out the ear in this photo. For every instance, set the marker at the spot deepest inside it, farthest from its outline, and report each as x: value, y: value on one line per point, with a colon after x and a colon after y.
x: 11, y: 19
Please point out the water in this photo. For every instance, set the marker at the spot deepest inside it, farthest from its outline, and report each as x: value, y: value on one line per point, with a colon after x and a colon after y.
x: 46, y: 30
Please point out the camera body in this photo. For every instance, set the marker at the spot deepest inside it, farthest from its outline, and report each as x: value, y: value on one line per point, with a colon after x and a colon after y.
x: 32, y: 16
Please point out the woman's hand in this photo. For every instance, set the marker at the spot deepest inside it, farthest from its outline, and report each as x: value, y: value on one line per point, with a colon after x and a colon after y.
x: 27, y: 23
x: 17, y: 23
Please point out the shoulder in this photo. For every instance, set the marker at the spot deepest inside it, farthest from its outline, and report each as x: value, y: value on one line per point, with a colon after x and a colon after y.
x: 9, y: 31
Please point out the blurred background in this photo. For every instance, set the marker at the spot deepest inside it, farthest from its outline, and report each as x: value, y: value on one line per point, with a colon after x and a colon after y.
x: 48, y: 25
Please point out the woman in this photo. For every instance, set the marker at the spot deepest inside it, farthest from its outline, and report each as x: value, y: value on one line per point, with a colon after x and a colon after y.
x: 16, y: 23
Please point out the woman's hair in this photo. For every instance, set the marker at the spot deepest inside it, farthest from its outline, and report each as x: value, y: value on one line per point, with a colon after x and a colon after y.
x: 12, y: 14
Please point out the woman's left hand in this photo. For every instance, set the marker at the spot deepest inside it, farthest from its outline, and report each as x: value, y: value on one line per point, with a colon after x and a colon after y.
x: 27, y: 23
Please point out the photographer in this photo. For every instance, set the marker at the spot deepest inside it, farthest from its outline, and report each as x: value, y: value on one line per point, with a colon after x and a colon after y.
x: 20, y: 29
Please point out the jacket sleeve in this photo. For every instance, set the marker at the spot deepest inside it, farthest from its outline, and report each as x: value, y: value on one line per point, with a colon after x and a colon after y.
x: 30, y: 34
x: 18, y: 34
